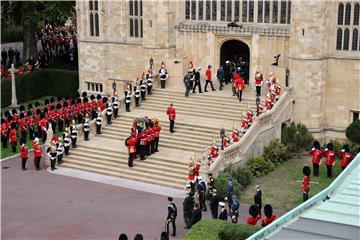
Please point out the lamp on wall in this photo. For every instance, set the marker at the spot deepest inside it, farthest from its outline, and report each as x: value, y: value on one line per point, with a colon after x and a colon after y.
x: 151, y: 61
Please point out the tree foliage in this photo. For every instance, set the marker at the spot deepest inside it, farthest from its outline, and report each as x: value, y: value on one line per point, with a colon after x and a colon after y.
x: 296, y: 137
x: 353, y: 131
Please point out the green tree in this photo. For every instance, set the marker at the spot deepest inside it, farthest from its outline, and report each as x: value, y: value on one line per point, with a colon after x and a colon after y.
x: 353, y: 131
x: 29, y: 13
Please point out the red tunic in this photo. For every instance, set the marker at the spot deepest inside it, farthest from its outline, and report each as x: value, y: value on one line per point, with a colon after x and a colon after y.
x: 23, y: 125
x: 37, y: 149
x: 208, y: 74
x: 259, y: 79
x: 4, y: 130
x: 252, y: 220
x: 13, y: 135
x: 171, y: 112
x: 317, y: 154
x: 330, y: 157
x: 305, y: 187
x: 235, y: 136
x: 238, y: 82
x: 266, y: 221
x: 131, y: 145
x: 24, y: 152
x: 214, y: 151
x: 345, y: 158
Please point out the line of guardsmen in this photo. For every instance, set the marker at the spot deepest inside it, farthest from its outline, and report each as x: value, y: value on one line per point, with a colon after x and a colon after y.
x: 144, y: 139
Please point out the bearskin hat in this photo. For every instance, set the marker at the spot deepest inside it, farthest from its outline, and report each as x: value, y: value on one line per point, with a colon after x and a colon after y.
x: 126, y: 93
x: 78, y: 100
x: 2, y: 120
x: 268, y: 210
x: 317, y: 145
x: 135, y: 88
x: 98, y: 97
x: 22, y: 108
x: 42, y: 114
x: 9, y: 118
x: 46, y: 101
x: 84, y: 94
x: 77, y: 95
x: 330, y: 146
x: 67, y: 97
x: 13, y: 111
x: 253, y: 211
x: 21, y: 115
x: 7, y: 114
x: 52, y: 108
x: 141, y: 82
x: 58, y: 106
x: 38, y: 111
x: 59, y: 98
x: 346, y: 148
x: 30, y: 106
x: 52, y: 99
x: 105, y: 99
x: 45, y: 110
x: 73, y: 102
x: 37, y: 104
x: 306, y: 170
x: 92, y: 97
x: 85, y: 100
x: 65, y: 104
x: 29, y: 113
x: 13, y: 125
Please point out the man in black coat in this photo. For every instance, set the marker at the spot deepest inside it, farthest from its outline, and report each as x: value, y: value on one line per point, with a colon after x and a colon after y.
x: 196, y: 215
x: 171, y: 217
x: 197, y: 81
x: 214, y: 203
x: 257, y: 198
x: 188, y: 206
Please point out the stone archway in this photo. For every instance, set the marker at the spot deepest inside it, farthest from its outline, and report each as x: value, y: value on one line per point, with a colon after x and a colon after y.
x: 237, y: 52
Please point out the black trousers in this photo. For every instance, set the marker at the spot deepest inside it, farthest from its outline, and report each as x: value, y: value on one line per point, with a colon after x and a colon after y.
x: 61, y: 125
x: 127, y: 105
x: 305, y: 196
x: 149, y: 148
x: 131, y: 159
x: 37, y: 162
x: 116, y: 112
x: 221, y: 84
x: 23, y: 137
x: 143, y: 95
x: 142, y: 152
x: 258, y: 90
x: 31, y: 133
x: 162, y: 83
x: 240, y: 95
x: 187, y: 219
x: 211, y: 84
x: 172, y: 123
x: 73, y: 142
x: 59, y: 158
x: 153, y: 147
x: 39, y: 132
x: 86, y: 135
x: 149, y: 88
x: 188, y: 88
x: 233, y: 90
x: 52, y: 163
x: 108, y: 118
x: 4, y: 141
x: 79, y: 119
x: 214, y: 213
x: 172, y: 221
x: 44, y: 135
x: 342, y: 168
x: 53, y: 125
x: 66, y: 150
x: 329, y: 170
x: 23, y: 163
x: 98, y: 128
x: 137, y: 101
x: 13, y: 146
x: 316, y: 169
x: 156, y: 145
x: 197, y: 83
x: 202, y: 201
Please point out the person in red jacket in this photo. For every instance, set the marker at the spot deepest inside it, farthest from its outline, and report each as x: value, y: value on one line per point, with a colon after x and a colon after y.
x: 171, y: 112
x: 238, y: 84
x: 214, y: 151
x: 235, y: 135
x: 13, y: 137
x: 269, y: 215
x: 130, y: 142
x: 330, y: 158
x: 23, y: 127
x: 316, y: 157
x: 208, y: 79
x: 259, y: 78
x: 305, y: 186
x: 254, y: 215
x: 24, y: 155
x: 143, y: 144
x: 37, y: 153
x: 345, y: 156
x: 157, y: 134
x: 193, y: 173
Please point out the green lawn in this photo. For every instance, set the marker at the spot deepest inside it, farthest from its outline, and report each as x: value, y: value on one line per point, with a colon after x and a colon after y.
x: 280, y: 187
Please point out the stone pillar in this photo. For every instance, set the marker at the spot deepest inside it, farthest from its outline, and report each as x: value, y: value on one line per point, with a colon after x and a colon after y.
x: 14, y: 103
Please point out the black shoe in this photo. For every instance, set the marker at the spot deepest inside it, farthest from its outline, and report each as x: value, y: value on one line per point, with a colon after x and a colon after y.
x: 200, y: 92
x: 75, y: 146
x: 52, y: 169
x: 174, y: 235
x: 55, y: 168
x: 205, y: 91
x: 214, y: 89
x: 24, y: 169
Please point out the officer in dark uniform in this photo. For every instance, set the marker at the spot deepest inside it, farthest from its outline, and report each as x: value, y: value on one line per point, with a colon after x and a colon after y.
x: 143, y: 90
x: 171, y: 217
x: 127, y: 101
x: 197, y: 80
x: 201, y: 191
x: 257, y: 198
x: 137, y: 96
x: 214, y: 203
x: 115, y: 104
x: 196, y: 215
x: 188, y: 206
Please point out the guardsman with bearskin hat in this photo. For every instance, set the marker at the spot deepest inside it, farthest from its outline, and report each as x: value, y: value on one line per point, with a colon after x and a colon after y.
x: 127, y: 101
x: 37, y: 153
x: 66, y: 114
x: 31, y: 124
x: 345, y: 156
x: 259, y: 78
x: 73, y: 134
x: 305, y: 186
x: 130, y: 142
x: 269, y: 216
x: 86, y: 106
x: 23, y: 127
x: 149, y: 140
x: 143, y: 144
x: 66, y: 142
x: 53, y: 118
x: 4, y: 133
x: 24, y: 155
x: 43, y: 125
x: 13, y: 137
x: 86, y: 127
x: 59, y: 116
x: 254, y: 215
x: 15, y: 118
x: 157, y: 135
x: 80, y: 111
x: 52, y: 153
x: 37, y: 121
x: 94, y: 106
x: 330, y: 158
x: 316, y: 157
x: 163, y: 75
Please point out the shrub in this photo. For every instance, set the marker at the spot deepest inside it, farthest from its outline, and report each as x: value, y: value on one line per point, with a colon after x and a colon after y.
x: 259, y: 166
x: 354, y: 149
x: 217, y: 229
x: 276, y: 152
x: 40, y: 83
x: 13, y: 34
x: 353, y: 131
x: 296, y: 137
x: 221, y: 184
x: 242, y: 175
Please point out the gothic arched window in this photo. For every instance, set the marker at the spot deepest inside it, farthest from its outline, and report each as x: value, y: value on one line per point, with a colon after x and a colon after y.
x: 94, y: 18
x: 339, y: 39
x: 187, y: 9
x: 91, y: 24
x: 251, y: 11
x: 356, y: 14
x: 201, y: 9
x: 214, y: 10
x: 131, y: 28
x: 283, y: 12
x: 340, y: 14
x: 222, y: 10
x: 355, y: 40
x: 228, y: 10
x: 260, y: 11
x: 267, y: 11
x: 96, y: 24
x: 135, y: 19
x: 208, y: 10
x: 136, y: 28
x: 275, y: 12
x: 193, y: 10
x: 346, y: 39
x: 347, y: 13
x: 244, y: 10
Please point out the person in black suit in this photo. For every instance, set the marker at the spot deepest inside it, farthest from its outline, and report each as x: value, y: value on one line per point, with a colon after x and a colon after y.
x: 214, y: 203
x: 257, y: 198
x: 188, y: 206
x: 196, y: 215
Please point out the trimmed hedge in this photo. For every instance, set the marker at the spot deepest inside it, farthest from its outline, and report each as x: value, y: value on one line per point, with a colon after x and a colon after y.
x: 276, y: 152
x: 55, y: 82
x: 296, y: 137
x: 353, y: 131
x: 218, y: 229
x: 259, y: 166
x: 242, y: 175
x: 221, y: 184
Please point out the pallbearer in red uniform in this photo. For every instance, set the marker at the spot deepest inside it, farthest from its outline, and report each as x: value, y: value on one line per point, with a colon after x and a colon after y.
x: 13, y: 137
x: 143, y: 144
x: 37, y: 153
x: 258, y: 82
x: 316, y: 159
x: 270, y: 217
x: 130, y: 142
x: 345, y: 156
x: 60, y: 117
x: 330, y: 158
x: 305, y: 186
x: 24, y: 155
x: 235, y: 135
x: 157, y: 134
x: 171, y: 112
x: 238, y: 84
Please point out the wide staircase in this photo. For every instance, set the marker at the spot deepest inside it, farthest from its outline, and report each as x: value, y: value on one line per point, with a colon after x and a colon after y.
x: 199, y: 120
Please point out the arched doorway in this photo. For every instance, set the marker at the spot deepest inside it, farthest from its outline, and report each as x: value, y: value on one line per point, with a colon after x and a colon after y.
x: 237, y: 52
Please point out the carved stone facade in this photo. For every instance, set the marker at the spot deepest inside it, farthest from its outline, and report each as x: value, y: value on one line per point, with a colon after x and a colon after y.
x: 325, y: 81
